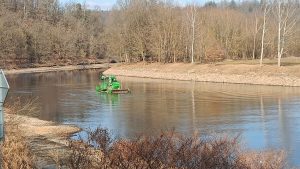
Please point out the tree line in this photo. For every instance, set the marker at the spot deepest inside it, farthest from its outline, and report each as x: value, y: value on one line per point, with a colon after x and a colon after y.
x: 36, y: 31
x: 45, y: 32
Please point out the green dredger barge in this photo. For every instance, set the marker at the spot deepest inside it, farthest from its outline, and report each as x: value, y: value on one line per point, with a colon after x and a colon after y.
x: 109, y: 84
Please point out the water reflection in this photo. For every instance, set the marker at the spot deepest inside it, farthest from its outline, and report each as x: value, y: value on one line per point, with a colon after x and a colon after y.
x: 267, y: 117
x: 110, y: 99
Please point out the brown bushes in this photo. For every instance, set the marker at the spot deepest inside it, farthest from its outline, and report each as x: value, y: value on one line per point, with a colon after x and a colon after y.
x: 18, y: 106
x: 271, y: 159
x: 168, y: 150
x: 15, y: 151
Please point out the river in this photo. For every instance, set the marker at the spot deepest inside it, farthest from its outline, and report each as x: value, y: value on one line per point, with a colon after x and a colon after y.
x: 267, y: 117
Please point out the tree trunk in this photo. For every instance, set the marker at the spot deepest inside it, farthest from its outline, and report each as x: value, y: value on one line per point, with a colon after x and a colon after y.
x: 279, y: 34
x: 263, y: 37
x: 143, y: 56
x: 193, y: 33
x: 254, y: 40
x: 24, y: 8
x: 193, y: 41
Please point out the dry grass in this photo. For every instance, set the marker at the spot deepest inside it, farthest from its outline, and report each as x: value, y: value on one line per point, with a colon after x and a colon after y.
x: 269, y: 160
x: 238, y: 72
x: 15, y: 150
x: 30, y: 107
x: 287, y: 61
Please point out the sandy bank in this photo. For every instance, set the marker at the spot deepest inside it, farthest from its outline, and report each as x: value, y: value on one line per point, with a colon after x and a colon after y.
x: 220, y: 73
x: 57, y: 68
x: 44, y: 137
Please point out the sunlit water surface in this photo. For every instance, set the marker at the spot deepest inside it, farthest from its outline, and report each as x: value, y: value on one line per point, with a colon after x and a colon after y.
x: 266, y: 117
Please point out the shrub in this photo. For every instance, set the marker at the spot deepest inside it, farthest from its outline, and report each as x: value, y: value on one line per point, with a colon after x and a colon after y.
x: 15, y: 151
x: 167, y: 150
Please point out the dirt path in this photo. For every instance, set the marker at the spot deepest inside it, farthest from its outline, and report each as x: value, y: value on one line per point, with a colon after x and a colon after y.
x: 220, y: 73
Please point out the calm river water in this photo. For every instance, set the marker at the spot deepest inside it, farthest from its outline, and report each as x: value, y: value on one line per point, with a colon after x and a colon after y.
x: 267, y: 117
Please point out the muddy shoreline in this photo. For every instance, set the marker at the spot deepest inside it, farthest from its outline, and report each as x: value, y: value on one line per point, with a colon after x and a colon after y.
x: 222, y: 73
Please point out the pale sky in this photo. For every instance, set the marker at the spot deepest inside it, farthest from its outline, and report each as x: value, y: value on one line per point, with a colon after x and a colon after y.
x: 107, y: 4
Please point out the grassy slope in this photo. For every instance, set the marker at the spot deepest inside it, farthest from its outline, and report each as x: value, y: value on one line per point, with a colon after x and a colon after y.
x: 246, y: 72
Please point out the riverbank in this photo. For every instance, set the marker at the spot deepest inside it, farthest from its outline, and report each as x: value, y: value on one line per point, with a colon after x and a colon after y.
x: 58, y: 68
x: 231, y: 72
x: 34, y: 143
x: 41, y: 139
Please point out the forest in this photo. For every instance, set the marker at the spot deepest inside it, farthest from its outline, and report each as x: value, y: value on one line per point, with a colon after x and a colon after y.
x: 46, y: 32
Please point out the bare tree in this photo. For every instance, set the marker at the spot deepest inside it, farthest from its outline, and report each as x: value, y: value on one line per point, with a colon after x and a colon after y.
x: 286, y: 12
x: 192, y: 18
x: 24, y: 8
x: 255, y: 35
x: 266, y: 10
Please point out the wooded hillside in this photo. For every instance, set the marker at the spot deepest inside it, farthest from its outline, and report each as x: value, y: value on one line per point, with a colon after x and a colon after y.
x: 43, y: 31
